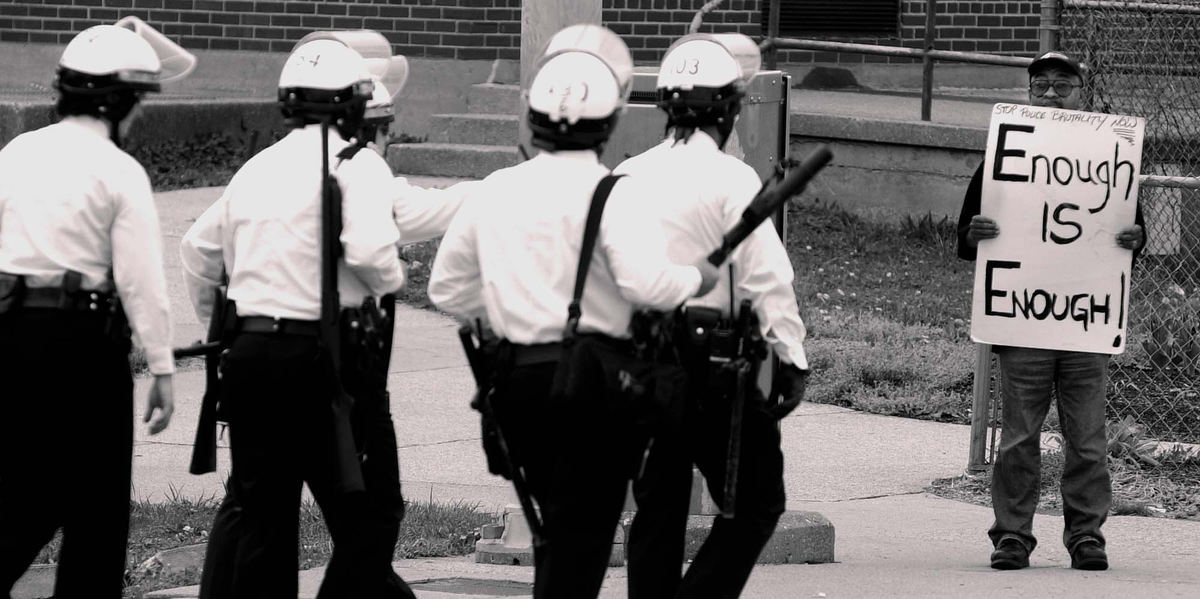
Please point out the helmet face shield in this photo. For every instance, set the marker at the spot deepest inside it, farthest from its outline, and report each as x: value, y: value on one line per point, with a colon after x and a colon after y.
x: 600, y: 42
x: 573, y: 86
x: 712, y: 61
x: 387, y: 71
x: 323, y: 65
x: 175, y: 62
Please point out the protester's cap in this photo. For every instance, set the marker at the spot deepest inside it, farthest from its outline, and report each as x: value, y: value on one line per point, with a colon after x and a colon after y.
x: 1055, y: 58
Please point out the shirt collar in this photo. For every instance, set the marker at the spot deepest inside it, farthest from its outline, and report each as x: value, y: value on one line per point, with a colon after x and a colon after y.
x: 701, y: 140
x: 576, y: 156
x: 87, y: 123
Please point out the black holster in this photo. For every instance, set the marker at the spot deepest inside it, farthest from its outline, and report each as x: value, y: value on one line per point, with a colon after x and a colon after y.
x: 214, y: 406
x: 12, y: 292
x: 366, y: 337
x: 714, y: 347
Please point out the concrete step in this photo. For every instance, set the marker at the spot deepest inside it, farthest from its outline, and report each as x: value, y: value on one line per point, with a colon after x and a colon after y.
x: 450, y: 160
x: 491, y: 98
x: 483, y: 129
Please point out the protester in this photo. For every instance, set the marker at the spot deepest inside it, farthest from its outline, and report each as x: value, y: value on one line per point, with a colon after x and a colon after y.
x: 1029, y: 375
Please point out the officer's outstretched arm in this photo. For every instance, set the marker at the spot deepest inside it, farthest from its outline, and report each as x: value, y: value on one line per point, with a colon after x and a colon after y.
x: 203, y: 258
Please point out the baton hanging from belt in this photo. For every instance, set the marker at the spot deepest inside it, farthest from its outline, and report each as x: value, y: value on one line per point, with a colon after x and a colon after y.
x: 483, y: 403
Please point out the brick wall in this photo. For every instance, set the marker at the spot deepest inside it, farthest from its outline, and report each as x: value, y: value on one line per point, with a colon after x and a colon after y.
x: 489, y: 29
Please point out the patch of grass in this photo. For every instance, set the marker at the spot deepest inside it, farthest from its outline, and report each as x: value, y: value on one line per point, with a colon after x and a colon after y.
x: 140, y: 367
x: 428, y: 530
x: 203, y: 161
x: 1168, y: 490
x: 846, y: 263
x: 420, y: 261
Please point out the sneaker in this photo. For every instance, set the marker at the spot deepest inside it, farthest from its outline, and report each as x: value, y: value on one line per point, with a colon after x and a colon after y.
x: 1089, y: 555
x: 1010, y: 554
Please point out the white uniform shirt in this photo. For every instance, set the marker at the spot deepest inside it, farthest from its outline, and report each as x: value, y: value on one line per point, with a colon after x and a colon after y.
x: 422, y: 213
x: 511, y: 253
x: 702, y: 193
x: 72, y: 200
x: 264, y: 233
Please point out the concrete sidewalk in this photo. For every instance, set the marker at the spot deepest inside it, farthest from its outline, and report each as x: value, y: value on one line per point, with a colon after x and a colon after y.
x: 863, y: 472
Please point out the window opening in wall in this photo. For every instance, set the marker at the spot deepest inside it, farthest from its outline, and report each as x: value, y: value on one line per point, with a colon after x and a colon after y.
x: 835, y: 18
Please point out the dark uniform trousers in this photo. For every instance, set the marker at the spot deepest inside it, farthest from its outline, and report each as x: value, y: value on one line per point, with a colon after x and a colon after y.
x: 279, y: 389
x: 67, y: 409
x: 577, y: 457
x: 663, y: 491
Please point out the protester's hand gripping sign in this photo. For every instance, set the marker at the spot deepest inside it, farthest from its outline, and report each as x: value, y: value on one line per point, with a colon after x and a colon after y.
x: 1060, y: 185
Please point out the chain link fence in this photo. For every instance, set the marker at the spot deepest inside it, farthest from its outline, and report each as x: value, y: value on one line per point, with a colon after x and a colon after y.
x: 1144, y: 59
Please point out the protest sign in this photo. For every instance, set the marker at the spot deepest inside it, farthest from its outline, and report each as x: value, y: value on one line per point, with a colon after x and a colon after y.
x: 1060, y: 185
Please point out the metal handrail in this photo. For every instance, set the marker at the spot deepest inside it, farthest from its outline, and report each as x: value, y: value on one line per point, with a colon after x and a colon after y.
x: 1159, y: 7
x: 943, y: 55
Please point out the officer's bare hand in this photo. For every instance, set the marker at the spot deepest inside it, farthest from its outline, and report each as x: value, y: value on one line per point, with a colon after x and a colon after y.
x: 1131, y: 237
x: 160, y: 404
x: 708, y: 277
x: 981, y: 228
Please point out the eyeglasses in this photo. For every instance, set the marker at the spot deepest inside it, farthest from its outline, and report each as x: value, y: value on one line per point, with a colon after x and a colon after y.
x: 1039, y: 87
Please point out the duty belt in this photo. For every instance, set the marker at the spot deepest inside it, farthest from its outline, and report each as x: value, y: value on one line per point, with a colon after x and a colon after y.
x: 536, y: 353
x: 54, y: 297
x: 283, y: 326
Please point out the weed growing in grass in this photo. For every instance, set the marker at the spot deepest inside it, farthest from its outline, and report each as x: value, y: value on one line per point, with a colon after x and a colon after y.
x: 420, y: 262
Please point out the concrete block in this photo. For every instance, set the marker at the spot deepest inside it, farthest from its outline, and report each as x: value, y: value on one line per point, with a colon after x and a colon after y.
x: 515, y: 545
x: 800, y: 538
x: 475, y: 129
x: 491, y: 531
x: 490, y: 98
x: 450, y: 160
x: 885, y: 182
x: 505, y: 72
x: 180, y: 559
x: 493, y: 551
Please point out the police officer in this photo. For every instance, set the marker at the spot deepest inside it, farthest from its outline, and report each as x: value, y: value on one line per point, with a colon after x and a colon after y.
x: 263, y: 236
x: 510, y: 257
x: 420, y: 214
x: 701, y: 84
x: 80, y: 264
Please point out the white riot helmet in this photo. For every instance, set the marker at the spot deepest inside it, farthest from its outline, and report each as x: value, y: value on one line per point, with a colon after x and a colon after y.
x: 388, y: 75
x: 325, y: 81
x: 703, y: 78
x: 579, y: 88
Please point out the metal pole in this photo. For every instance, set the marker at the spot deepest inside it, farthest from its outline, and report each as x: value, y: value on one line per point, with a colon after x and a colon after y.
x: 1159, y: 7
x: 980, y: 408
x: 1048, y: 28
x: 773, y: 33
x: 942, y: 55
x: 927, y: 72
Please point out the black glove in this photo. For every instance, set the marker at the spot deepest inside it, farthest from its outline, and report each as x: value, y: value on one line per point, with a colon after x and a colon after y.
x: 787, y: 390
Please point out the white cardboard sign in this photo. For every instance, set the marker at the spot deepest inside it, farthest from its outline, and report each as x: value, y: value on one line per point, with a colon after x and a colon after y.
x: 1060, y: 185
